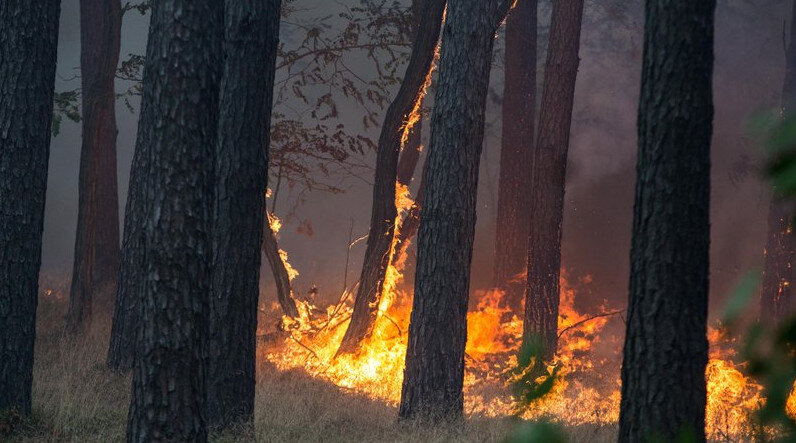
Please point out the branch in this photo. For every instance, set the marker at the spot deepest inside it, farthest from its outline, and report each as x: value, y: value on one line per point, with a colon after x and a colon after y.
x: 586, y: 320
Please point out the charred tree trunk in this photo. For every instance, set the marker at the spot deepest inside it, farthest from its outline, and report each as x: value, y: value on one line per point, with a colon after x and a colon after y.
x: 409, y: 225
x: 96, y: 263
x: 28, y: 44
x: 666, y: 349
x: 777, y: 294
x: 550, y: 170
x: 382, y: 222
x: 251, y: 35
x: 179, y: 119
x: 284, y: 288
x: 516, y: 153
x: 434, y: 374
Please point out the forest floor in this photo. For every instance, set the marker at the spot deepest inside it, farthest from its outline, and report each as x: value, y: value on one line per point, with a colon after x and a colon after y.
x: 77, y: 398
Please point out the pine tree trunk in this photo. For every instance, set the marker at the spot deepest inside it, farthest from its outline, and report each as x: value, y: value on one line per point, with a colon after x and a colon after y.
x: 666, y: 349
x: 251, y: 36
x: 434, y: 373
x: 382, y: 222
x: 284, y: 288
x: 777, y: 294
x: 179, y: 119
x: 28, y: 45
x: 516, y: 153
x: 550, y: 166
x: 96, y: 263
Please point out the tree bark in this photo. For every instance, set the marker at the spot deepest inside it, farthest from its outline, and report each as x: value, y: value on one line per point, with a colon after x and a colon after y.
x: 516, y: 153
x: 776, y: 293
x: 28, y: 45
x: 382, y: 223
x: 666, y: 349
x: 284, y: 288
x: 251, y: 33
x: 96, y: 263
x: 178, y: 120
x: 434, y: 374
x: 550, y: 170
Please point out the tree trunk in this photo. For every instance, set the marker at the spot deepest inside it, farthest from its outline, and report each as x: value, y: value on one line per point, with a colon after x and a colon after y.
x: 96, y: 263
x: 179, y: 119
x: 666, y: 349
x: 434, y: 374
x: 28, y: 45
x: 550, y: 170
x: 284, y: 288
x: 777, y: 294
x: 382, y: 222
x: 251, y: 36
x: 409, y: 225
x: 516, y: 153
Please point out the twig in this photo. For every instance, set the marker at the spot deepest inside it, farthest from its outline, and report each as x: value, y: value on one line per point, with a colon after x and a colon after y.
x: 400, y: 332
x: 586, y: 320
x: 304, y: 346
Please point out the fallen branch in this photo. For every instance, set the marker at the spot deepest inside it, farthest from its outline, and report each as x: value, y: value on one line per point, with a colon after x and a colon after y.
x: 586, y: 320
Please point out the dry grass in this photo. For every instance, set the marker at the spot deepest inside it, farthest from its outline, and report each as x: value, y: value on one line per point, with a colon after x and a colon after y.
x: 76, y: 398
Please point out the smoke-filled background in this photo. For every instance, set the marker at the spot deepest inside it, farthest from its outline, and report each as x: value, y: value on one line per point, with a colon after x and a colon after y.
x: 601, y: 172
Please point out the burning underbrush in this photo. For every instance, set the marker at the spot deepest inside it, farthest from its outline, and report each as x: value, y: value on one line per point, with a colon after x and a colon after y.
x: 586, y: 391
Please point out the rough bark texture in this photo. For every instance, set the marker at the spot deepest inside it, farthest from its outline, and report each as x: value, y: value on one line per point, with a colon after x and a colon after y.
x: 776, y: 301
x: 251, y: 33
x: 666, y: 349
x: 550, y: 170
x: 96, y: 263
x: 432, y: 385
x: 179, y: 119
x: 382, y: 221
x: 516, y: 153
x: 28, y: 43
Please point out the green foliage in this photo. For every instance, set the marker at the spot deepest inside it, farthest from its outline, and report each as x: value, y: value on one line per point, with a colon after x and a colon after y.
x: 65, y: 104
x: 532, y: 379
x: 539, y: 432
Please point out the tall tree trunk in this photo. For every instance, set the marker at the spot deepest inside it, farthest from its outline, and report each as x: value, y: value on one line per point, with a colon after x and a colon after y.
x: 28, y: 45
x: 179, y: 119
x: 434, y: 373
x: 284, y: 288
x: 666, y: 349
x: 411, y: 222
x: 777, y: 294
x: 382, y: 222
x: 251, y: 33
x: 549, y: 174
x: 96, y: 263
x: 516, y: 153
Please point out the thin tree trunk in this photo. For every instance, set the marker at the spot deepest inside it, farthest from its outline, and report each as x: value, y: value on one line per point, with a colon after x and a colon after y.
x: 284, y: 288
x: 516, y: 153
x: 777, y: 294
x: 666, y: 349
x: 28, y: 45
x: 549, y: 174
x: 409, y: 225
x: 382, y: 222
x: 96, y: 263
x: 179, y: 120
x: 251, y: 35
x: 434, y: 373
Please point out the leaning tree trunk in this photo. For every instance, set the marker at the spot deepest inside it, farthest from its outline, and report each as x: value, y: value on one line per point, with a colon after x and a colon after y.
x: 550, y: 169
x: 397, y: 121
x: 251, y: 35
x: 666, y: 349
x: 776, y: 293
x: 516, y: 153
x: 284, y: 288
x: 96, y: 263
x: 434, y: 373
x: 181, y: 90
x: 28, y: 44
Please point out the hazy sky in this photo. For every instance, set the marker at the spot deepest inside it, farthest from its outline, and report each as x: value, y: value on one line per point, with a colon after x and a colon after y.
x: 749, y: 67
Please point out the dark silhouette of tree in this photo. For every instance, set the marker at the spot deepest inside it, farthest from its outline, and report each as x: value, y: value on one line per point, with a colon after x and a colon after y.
x: 516, y: 152
x: 28, y: 45
x: 400, y: 117
x: 96, y: 263
x: 666, y: 348
x: 176, y: 137
x: 776, y: 301
x: 549, y: 174
x: 251, y: 35
x: 434, y: 373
